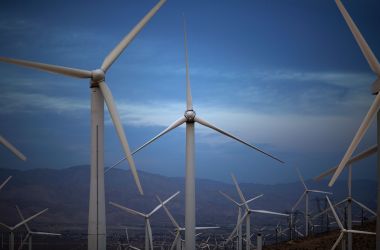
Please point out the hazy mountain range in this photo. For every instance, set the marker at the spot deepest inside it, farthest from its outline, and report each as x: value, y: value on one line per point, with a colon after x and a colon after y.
x: 65, y: 192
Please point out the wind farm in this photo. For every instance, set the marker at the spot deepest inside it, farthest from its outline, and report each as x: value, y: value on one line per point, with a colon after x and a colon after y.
x: 265, y: 98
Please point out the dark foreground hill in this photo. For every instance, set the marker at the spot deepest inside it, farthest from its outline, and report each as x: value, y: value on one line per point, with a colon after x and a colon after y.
x: 65, y: 192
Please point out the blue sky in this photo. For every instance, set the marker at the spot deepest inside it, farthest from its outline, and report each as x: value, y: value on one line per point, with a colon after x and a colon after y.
x: 286, y: 76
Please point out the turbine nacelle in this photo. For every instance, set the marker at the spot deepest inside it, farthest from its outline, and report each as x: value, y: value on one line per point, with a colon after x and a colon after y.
x: 190, y: 115
x: 97, y: 75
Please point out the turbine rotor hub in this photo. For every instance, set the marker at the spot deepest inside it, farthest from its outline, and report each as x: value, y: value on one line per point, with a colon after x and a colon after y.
x: 190, y: 115
x: 97, y: 76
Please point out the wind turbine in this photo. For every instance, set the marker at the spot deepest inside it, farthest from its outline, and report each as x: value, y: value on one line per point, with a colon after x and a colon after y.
x: 12, y: 148
x: 100, y: 93
x: 375, y: 67
x: 247, y: 215
x: 342, y: 229
x: 30, y: 233
x: 349, y: 200
x: 12, y: 229
x: 240, y: 206
x: 306, y: 195
x: 190, y: 118
x: 178, y: 229
x: 148, y: 228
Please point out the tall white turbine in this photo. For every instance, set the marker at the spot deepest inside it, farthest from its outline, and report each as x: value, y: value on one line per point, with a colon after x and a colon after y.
x: 349, y: 200
x: 148, y: 228
x: 247, y: 215
x: 12, y: 229
x: 240, y: 206
x: 373, y: 110
x: 12, y: 148
x: 30, y: 233
x: 190, y: 118
x: 100, y: 93
x: 342, y: 229
x: 306, y: 195
x: 177, y: 243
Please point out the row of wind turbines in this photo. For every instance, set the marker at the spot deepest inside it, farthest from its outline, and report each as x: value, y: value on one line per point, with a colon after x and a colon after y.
x: 100, y: 93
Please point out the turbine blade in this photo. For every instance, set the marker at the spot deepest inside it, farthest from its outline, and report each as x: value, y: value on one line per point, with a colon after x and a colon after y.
x: 29, y: 219
x: 299, y: 200
x: 364, y: 206
x: 169, y: 214
x: 23, y: 242
x: 45, y: 233
x: 335, y: 214
x: 254, y: 198
x: 205, y: 228
x: 78, y: 73
x: 189, y: 99
x: 366, y: 153
x: 175, y: 124
x: 301, y: 178
x: 6, y: 226
x: 120, y: 132
x: 175, y: 241
x: 163, y: 203
x: 318, y: 191
x: 5, y: 182
x: 11, y: 148
x: 207, y: 124
x: 22, y: 218
x: 358, y: 137
x: 242, y: 198
x: 268, y: 212
x: 116, y: 52
x: 229, y: 198
x: 360, y: 232
x: 237, y: 226
x: 150, y: 234
x: 129, y: 210
x: 337, y: 241
x: 366, y: 50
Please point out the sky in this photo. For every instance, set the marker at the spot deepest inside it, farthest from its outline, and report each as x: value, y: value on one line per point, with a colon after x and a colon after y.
x: 286, y: 76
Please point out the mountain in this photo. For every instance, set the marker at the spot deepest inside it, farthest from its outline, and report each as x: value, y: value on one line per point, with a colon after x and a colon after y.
x: 65, y: 192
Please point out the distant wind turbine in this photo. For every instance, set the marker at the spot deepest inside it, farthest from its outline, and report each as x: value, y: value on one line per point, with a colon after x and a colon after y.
x: 100, y: 93
x: 190, y: 118
x: 306, y: 195
x: 12, y: 148
x: 148, y: 228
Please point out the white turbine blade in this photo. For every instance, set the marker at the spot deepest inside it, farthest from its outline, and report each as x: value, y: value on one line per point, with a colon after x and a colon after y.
x: 207, y: 124
x: 29, y: 219
x: 268, y: 212
x: 11, y: 148
x: 237, y: 226
x: 370, y: 151
x: 133, y: 247
x: 364, y: 206
x: 169, y: 214
x: 318, y: 191
x: 23, y: 242
x: 360, y: 232
x: 150, y: 234
x: 335, y: 214
x: 5, y: 182
x: 358, y: 137
x: 301, y: 178
x: 163, y: 203
x: 254, y: 198
x: 120, y: 131
x: 189, y: 99
x: 337, y: 241
x: 366, y: 50
x: 242, y: 198
x: 175, y: 241
x: 205, y: 228
x: 129, y: 210
x: 22, y: 218
x: 6, y: 226
x: 45, y: 233
x: 79, y: 73
x: 116, y: 52
x: 299, y: 200
x: 229, y: 198
x: 175, y: 124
